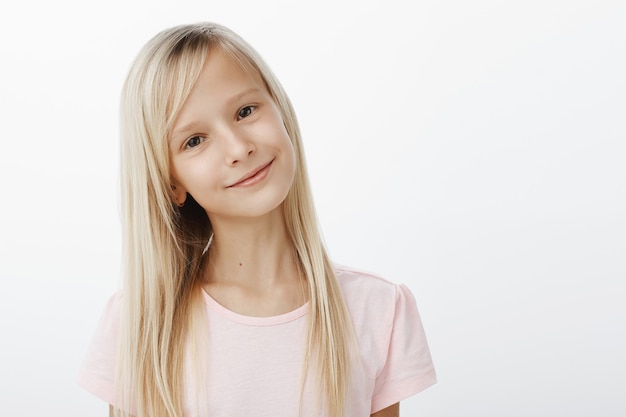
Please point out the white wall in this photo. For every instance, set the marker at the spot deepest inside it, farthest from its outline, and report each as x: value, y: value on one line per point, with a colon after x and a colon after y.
x: 472, y: 150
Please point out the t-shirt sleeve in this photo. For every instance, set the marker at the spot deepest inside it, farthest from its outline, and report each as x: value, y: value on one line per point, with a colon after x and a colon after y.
x: 408, y: 368
x: 97, y: 374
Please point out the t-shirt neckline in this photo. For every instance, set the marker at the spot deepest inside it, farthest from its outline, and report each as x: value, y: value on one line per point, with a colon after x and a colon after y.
x: 255, y: 320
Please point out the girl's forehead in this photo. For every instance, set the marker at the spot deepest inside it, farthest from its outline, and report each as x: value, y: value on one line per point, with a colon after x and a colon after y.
x: 224, y: 72
x: 231, y: 61
x: 223, y: 83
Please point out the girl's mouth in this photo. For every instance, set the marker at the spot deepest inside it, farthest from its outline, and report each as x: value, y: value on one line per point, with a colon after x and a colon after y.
x: 253, y: 177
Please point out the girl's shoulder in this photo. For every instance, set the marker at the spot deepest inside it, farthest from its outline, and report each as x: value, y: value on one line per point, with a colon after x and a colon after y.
x: 97, y: 373
x: 371, y: 298
x: 366, y: 286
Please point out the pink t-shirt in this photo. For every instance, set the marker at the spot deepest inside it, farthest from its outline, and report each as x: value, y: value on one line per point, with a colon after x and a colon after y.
x: 253, y: 365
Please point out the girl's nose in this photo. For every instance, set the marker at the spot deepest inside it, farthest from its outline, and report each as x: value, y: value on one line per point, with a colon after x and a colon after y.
x: 238, y: 147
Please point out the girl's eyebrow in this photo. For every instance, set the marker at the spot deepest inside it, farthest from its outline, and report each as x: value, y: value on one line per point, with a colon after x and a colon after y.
x: 181, y: 132
x: 192, y: 126
x: 244, y: 93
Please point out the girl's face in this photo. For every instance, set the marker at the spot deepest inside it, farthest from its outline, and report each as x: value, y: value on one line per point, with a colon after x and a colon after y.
x: 229, y: 148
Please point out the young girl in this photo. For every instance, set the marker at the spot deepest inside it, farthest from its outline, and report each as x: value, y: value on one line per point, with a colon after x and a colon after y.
x: 230, y: 304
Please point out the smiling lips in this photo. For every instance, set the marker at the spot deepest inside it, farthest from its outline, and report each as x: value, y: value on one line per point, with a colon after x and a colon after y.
x: 253, y: 177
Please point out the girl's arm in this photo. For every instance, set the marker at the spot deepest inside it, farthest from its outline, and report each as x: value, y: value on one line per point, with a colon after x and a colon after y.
x: 391, y: 411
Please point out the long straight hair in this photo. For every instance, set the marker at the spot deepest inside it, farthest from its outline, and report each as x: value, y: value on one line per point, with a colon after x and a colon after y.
x: 163, y: 243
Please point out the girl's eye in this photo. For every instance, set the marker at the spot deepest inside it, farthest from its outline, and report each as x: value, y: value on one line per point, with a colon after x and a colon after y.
x: 194, y: 141
x: 245, y: 112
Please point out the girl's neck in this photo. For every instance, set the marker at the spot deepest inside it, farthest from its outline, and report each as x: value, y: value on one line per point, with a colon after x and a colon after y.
x: 252, y: 268
x: 251, y: 252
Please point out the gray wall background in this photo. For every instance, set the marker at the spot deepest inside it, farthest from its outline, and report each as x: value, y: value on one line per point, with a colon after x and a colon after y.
x: 474, y: 151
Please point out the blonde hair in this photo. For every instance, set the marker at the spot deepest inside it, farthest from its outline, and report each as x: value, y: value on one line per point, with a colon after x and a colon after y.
x: 163, y: 244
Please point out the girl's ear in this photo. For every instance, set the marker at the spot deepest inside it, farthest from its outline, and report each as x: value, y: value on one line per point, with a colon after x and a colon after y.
x: 179, y: 195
